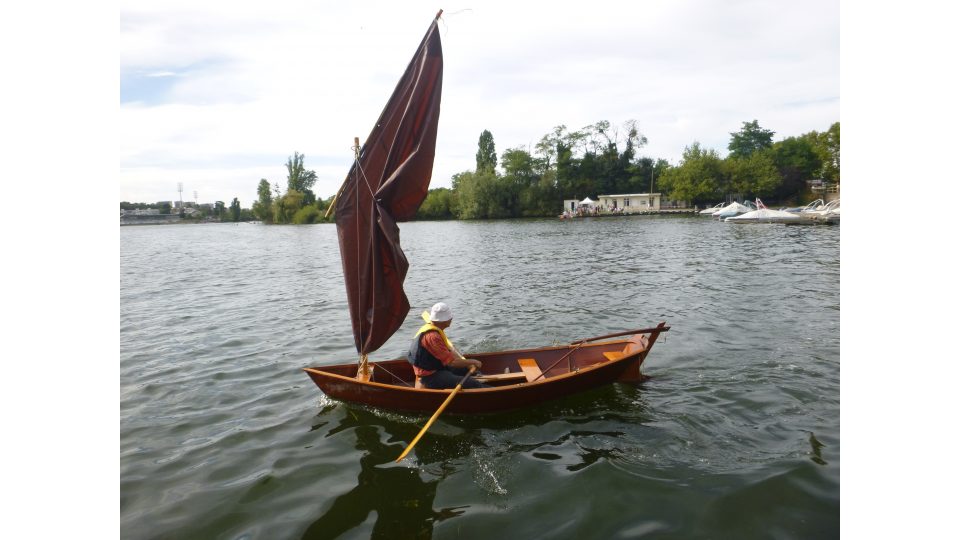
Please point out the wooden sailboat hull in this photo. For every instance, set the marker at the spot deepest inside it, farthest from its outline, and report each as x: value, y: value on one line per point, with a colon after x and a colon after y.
x: 565, y: 370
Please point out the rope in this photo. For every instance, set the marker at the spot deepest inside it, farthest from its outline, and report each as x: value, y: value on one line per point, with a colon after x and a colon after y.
x: 360, y: 168
x: 443, y: 19
x: 392, y: 375
x: 357, y: 242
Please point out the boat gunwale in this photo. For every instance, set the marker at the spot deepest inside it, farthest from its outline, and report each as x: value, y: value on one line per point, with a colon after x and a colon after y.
x: 507, y: 387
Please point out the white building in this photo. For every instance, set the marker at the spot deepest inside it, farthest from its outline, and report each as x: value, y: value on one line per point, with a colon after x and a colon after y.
x: 572, y: 206
x: 630, y: 203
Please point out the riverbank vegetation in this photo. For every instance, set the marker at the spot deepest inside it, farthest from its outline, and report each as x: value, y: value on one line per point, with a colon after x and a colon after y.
x: 599, y: 159
x: 602, y: 159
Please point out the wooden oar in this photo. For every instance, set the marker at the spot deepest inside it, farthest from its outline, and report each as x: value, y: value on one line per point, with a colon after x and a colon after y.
x: 435, y: 415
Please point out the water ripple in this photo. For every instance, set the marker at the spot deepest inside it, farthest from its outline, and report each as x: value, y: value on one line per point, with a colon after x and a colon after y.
x: 223, y: 436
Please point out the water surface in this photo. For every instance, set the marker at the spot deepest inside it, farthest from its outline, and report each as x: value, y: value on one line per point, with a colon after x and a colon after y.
x: 736, y: 436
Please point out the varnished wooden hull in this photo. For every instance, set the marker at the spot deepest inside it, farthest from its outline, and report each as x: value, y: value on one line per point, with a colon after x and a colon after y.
x: 568, y: 370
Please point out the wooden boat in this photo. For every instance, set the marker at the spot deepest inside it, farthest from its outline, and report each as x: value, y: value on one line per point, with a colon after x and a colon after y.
x: 518, y: 378
x: 386, y: 184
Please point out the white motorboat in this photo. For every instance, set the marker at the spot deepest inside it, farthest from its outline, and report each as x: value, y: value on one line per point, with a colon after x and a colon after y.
x: 829, y: 212
x: 833, y: 216
x: 815, y: 205
x: 733, y: 209
x: 711, y: 210
x: 765, y: 215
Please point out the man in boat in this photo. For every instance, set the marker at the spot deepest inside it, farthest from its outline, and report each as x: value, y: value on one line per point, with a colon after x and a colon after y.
x: 435, y: 360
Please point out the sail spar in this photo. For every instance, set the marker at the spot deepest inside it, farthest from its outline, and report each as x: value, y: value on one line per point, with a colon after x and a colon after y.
x: 386, y: 185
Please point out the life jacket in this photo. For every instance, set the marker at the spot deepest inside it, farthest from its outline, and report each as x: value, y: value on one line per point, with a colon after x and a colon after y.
x: 418, y: 355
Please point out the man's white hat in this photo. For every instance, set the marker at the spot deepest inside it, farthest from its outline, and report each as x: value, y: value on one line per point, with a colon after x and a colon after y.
x: 440, y: 312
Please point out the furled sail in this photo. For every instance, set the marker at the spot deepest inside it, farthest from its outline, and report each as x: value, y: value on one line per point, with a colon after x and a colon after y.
x: 386, y: 185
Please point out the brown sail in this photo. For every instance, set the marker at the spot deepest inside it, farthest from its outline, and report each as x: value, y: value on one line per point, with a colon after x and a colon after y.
x: 386, y: 185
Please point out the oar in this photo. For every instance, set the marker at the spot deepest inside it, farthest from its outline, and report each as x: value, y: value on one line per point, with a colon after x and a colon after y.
x: 435, y: 415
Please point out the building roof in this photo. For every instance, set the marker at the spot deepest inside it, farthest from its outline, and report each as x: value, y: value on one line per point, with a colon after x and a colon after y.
x: 630, y: 195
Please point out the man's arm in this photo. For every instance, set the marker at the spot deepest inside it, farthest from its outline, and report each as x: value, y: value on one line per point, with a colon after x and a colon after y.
x: 438, y: 348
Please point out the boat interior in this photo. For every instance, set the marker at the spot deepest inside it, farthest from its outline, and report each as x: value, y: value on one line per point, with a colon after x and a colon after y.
x: 506, y: 368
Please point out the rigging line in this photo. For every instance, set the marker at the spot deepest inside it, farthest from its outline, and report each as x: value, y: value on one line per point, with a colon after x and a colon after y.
x: 373, y: 201
x: 362, y: 173
x: 357, y: 242
x: 375, y: 365
x: 443, y: 19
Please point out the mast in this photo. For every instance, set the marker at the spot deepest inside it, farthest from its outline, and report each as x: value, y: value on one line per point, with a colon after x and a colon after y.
x: 387, y: 183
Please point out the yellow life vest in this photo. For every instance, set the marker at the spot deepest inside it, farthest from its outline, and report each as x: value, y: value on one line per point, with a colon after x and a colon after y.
x: 430, y: 326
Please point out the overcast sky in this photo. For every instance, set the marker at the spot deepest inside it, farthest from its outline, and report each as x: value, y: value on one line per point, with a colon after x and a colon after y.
x: 218, y: 95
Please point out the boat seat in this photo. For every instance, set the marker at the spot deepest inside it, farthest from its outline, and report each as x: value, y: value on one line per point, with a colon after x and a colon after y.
x: 613, y: 355
x: 530, y: 368
x: 501, y: 377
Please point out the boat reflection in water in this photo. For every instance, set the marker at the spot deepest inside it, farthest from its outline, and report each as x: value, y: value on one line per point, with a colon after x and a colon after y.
x: 401, y: 499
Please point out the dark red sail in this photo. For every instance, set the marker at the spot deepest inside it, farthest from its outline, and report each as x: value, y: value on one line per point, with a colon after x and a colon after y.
x: 385, y: 186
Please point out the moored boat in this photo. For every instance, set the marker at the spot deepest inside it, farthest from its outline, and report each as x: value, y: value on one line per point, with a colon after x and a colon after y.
x: 809, y: 207
x: 765, y: 215
x: 829, y: 213
x: 733, y: 209
x: 711, y: 210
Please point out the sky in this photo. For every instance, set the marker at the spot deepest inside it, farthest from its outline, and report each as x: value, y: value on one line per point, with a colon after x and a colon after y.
x: 217, y: 95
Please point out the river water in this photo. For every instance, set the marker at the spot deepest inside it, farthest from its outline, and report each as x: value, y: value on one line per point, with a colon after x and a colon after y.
x: 737, y: 435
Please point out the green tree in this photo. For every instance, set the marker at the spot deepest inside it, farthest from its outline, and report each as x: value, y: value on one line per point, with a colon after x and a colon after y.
x: 755, y: 174
x: 518, y: 164
x: 659, y: 167
x: 486, y: 153
x: 299, y: 178
x: 832, y: 163
x: 699, y: 178
x: 263, y: 207
x: 218, y: 210
x: 797, y: 160
x: 235, y: 210
x: 542, y: 198
x: 284, y: 208
x: 322, y: 205
x: 751, y: 138
x: 827, y: 147
x: 165, y: 208
x: 307, y: 215
x: 522, y: 180
x: 439, y: 204
x: 483, y: 195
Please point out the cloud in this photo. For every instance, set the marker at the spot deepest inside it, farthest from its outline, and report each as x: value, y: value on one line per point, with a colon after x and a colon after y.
x: 220, y: 94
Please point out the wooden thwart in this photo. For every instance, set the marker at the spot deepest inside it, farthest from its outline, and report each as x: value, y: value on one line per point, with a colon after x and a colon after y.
x: 613, y: 355
x: 501, y: 377
x: 530, y: 368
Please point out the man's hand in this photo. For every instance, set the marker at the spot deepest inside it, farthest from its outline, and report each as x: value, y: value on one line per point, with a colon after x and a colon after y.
x: 475, y: 363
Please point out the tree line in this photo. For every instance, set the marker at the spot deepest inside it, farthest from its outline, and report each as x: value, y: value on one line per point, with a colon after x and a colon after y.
x: 296, y: 204
x: 602, y: 159
x: 599, y: 159
x: 204, y: 212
